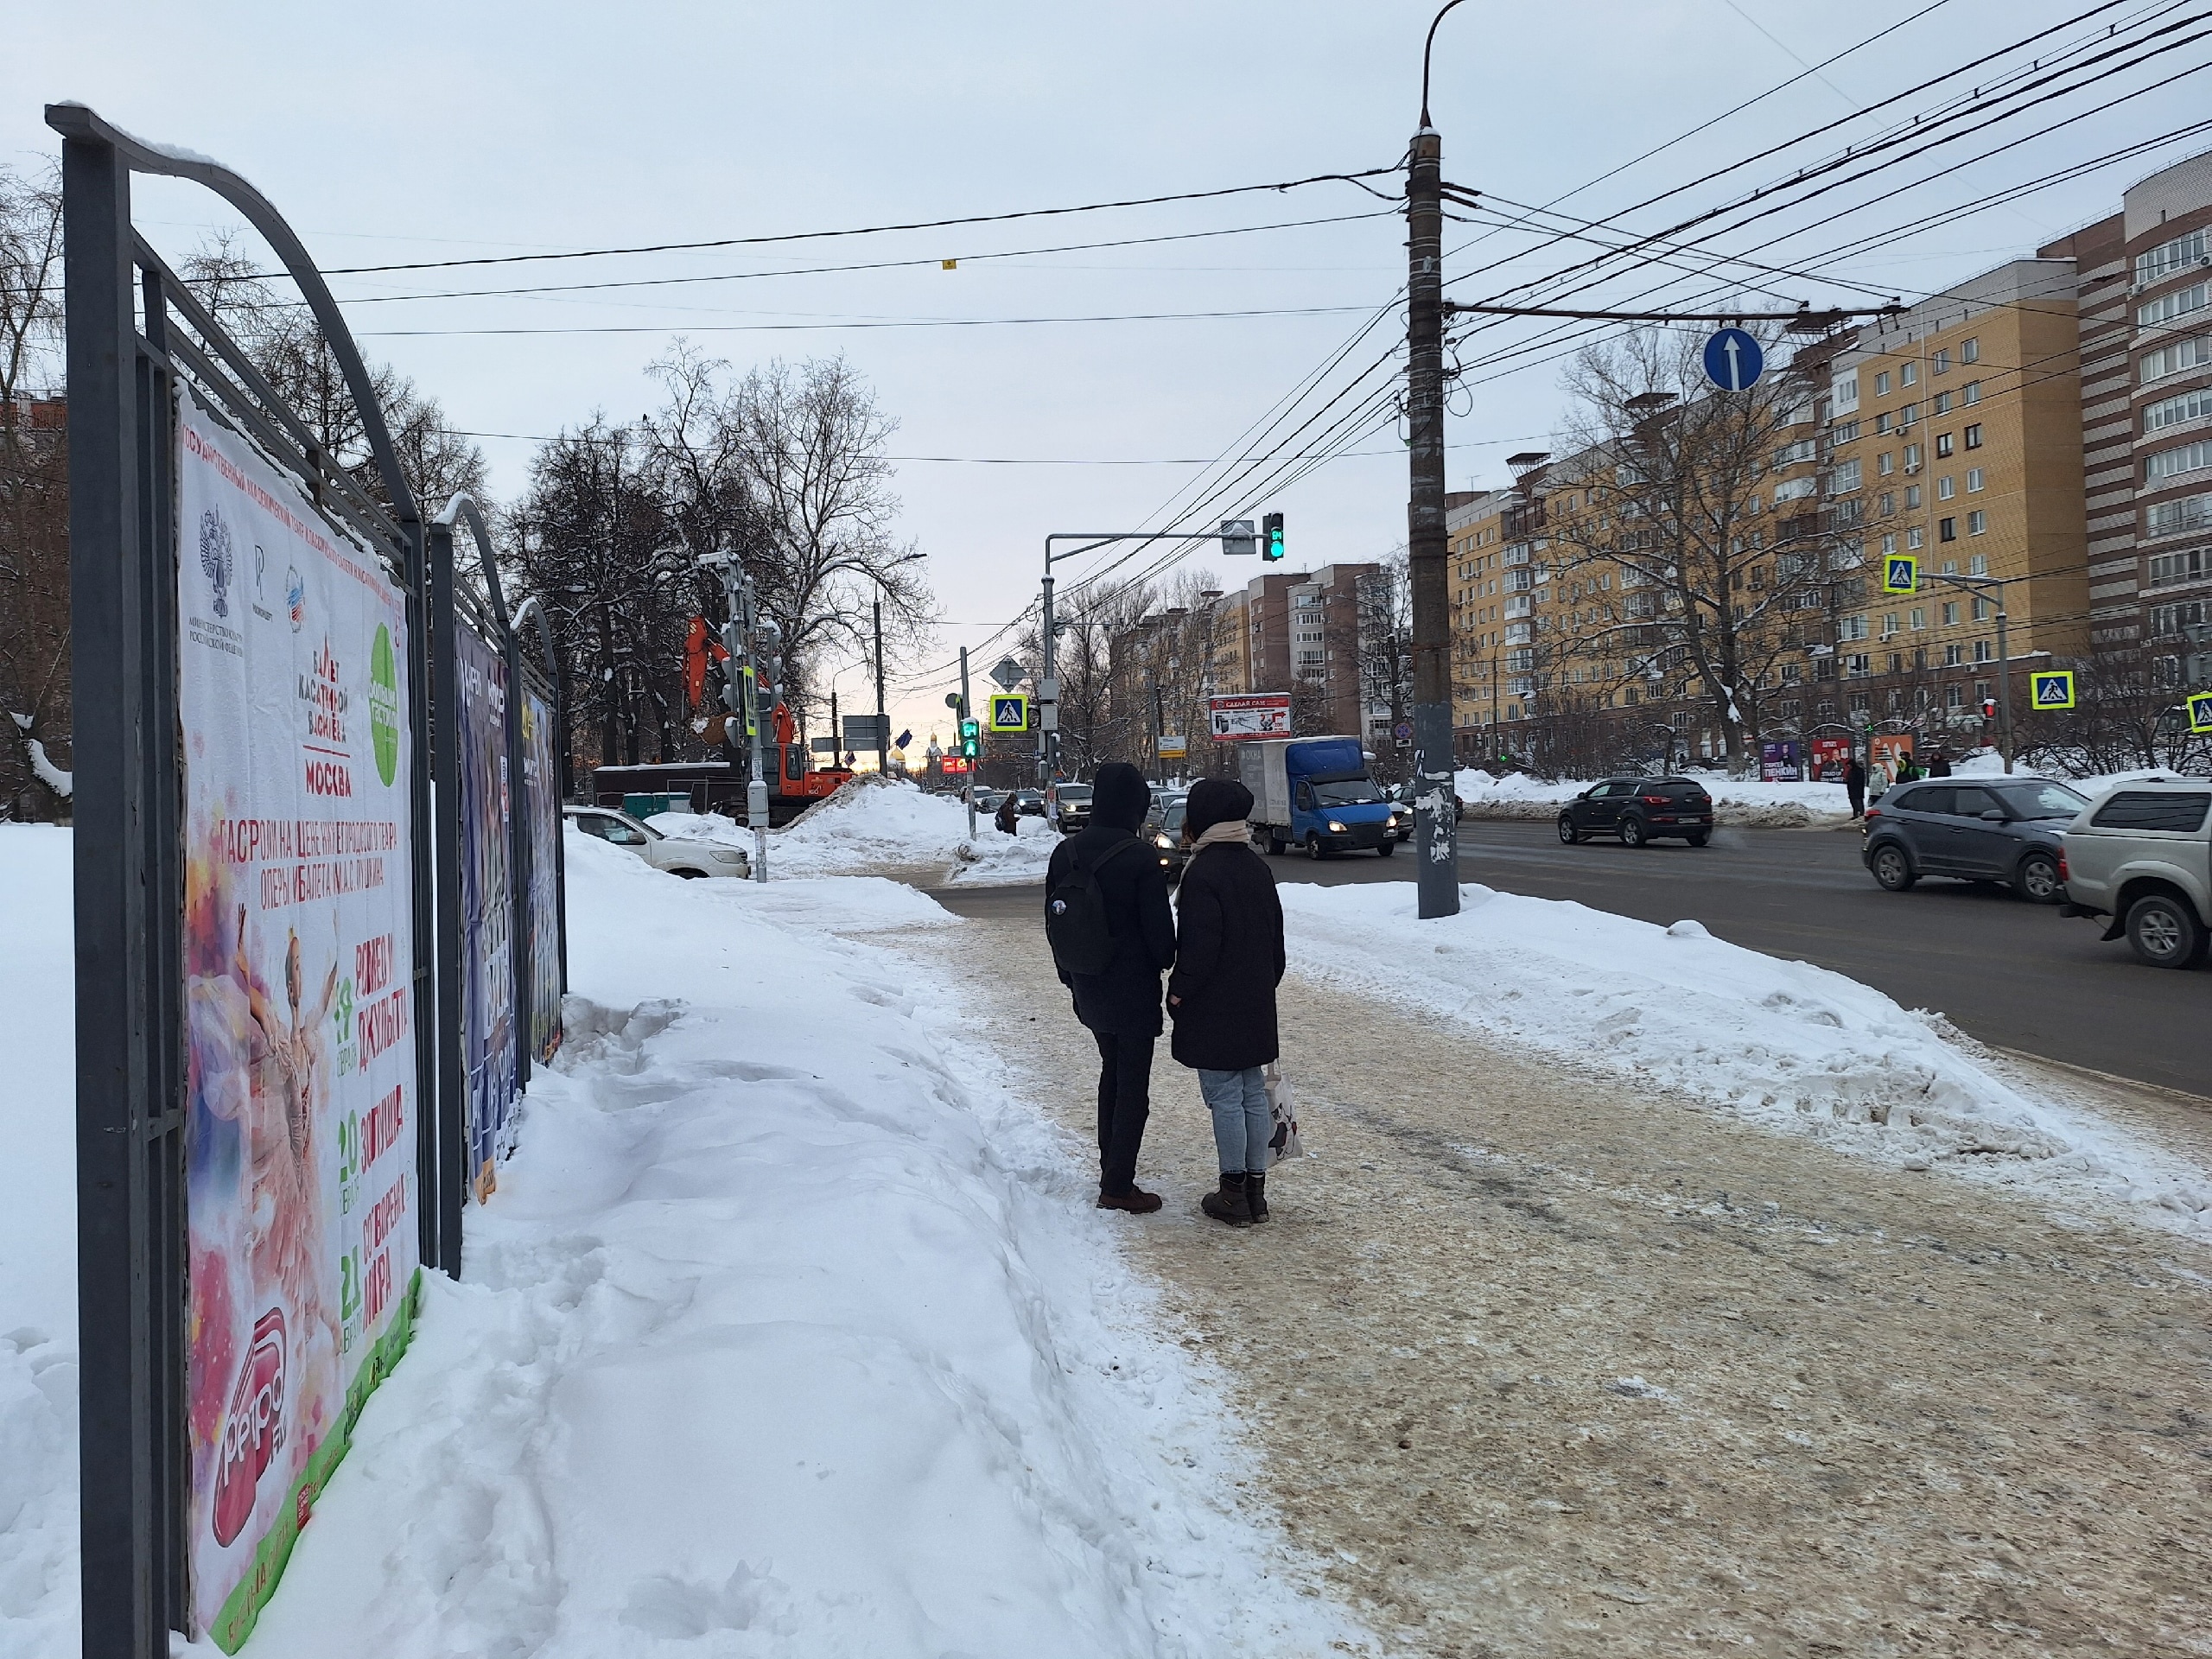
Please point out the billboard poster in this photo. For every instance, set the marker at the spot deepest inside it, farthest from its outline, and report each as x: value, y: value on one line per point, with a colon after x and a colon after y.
x: 1778, y: 761
x: 301, y: 1107
x: 1830, y: 756
x: 1236, y: 718
x: 487, y: 1005
x: 1892, y: 753
x: 541, y: 777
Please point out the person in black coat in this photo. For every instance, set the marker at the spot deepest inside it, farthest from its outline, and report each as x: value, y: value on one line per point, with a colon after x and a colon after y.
x: 1228, y: 959
x: 1854, y: 785
x: 1120, y: 1005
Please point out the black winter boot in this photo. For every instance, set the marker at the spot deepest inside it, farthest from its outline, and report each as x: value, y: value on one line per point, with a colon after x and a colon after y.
x: 1228, y: 1205
x: 1256, y: 1194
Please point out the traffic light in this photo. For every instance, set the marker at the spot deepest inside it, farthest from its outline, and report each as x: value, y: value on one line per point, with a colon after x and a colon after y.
x: 1989, y: 708
x: 971, y: 739
x: 1271, y: 537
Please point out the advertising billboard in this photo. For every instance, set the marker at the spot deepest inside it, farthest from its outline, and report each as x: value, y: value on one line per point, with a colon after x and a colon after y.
x: 487, y: 1010
x: 541, y: 777
x: 1779, y: 762
x: 1235, y: 718
x: 301, y: 1107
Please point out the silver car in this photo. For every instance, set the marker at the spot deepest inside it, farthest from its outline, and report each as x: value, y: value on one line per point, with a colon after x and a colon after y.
x: 2141, y: 858
x: 689, y: 856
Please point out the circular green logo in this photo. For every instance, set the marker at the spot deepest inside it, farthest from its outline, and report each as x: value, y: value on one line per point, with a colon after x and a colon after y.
x: 384, y: 705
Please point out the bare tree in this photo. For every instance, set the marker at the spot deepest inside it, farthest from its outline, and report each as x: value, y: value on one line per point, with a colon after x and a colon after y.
x: 35, y: 661
x: 1665, y: 495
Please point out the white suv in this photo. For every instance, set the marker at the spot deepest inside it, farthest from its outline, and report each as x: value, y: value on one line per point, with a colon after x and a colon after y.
x: 690, y: 857
x: 2142, y: 857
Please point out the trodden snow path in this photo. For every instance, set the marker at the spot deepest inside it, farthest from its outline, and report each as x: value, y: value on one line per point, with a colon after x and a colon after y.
x: 1559, y: 1365
x: 784, y: 1334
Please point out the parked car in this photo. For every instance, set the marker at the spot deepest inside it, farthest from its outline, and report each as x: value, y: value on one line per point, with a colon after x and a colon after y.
x: 689, y: 856
x: 2141, y: 858
x: 1075, y: 806
x: 1165, y: 831
x: 1640, y: 809
x: 1978, y: 829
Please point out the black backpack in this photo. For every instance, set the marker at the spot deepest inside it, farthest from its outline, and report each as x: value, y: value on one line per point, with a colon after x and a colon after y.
x: 1075, y: 916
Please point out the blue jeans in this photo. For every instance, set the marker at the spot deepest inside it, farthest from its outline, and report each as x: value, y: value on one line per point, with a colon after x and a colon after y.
x: 1243, y: 1125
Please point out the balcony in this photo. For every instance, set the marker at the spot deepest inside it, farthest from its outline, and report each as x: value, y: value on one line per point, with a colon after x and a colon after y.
x: 1519, y: 605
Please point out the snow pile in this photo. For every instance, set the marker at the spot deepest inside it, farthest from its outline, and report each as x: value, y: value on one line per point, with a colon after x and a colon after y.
x: 789, y: 1331
x: 38, y: 1248
x: 1782, y: 1043
x: 869, y: 827
x: 1772, y: 806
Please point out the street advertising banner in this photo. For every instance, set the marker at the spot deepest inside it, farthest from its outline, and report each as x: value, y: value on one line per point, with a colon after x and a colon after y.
x: 1892, y: 754
x: 541, y: 778
x: 1778, y: 762
x: 301, y: 1107
x: 487, y: 1006
x: 1830, y: 756
x: 1235, y: 718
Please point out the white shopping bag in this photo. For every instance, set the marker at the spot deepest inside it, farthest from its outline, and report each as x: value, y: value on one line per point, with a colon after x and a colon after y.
x: 1284, y: 1142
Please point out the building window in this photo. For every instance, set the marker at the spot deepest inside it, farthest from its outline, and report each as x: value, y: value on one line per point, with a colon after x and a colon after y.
x: 1946, y: 530
x: 1973, y: 437
x: 2181, y: 567
x: 1897, y: 667
x: 2179, y: 304
x: 1983, y: 652
x: 1977, y: 523
x: 2177, y: 517
x: 1950, y: 612
x: 1911, y: 497
x: 1888, y: 502
x: 1909, y: 375
x: 1970, y: 351
x: 1844, y: 480
x: 1919, y: 616
x: 1971, y: 393
x: 2177, y: 358
x: 1915, y: 538
x: 1846, y: 432
x: 1942, y: 405
x: 1977, y: 565
x: 1942, y: 444
x: 1941, y: 364
x: 1858, y: 666
x: 1885, y: 463
x: 1912, y: 454
x: 1906, y: 416
x: 1973, y: 480
x: 1881, y: 424
x: 1954, y: 697
x: 1983, y: 608
x: 1851, y: 627
x: 2185, y: 409
x: 1946, y: 486
x: 2177, y: 255
x: 1882, y: 383
x: 2171, y: 463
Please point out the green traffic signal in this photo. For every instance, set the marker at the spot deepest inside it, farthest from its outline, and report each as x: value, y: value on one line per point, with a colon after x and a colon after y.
x: 1271, y: 530
x: 970, y: 739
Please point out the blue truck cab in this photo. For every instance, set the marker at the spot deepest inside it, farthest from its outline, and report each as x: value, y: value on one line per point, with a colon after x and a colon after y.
x: 1314, y: 793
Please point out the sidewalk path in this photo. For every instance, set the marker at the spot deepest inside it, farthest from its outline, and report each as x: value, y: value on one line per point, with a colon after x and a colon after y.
x: 1549, y: 1366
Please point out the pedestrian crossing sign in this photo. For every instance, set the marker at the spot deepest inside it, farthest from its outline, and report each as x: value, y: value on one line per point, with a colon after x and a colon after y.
x: 1900, y: 574
x: 1009, y: 712
x: 2051, y: 690
x: 2200, y: 711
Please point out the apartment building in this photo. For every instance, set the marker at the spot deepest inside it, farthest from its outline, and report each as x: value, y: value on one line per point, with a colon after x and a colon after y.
x: 2144, y: 339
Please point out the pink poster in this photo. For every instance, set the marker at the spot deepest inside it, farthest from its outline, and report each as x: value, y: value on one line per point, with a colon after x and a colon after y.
x: 301, y: 1109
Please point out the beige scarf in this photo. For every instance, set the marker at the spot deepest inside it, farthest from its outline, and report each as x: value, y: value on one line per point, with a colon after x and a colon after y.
x: 1229, y: 832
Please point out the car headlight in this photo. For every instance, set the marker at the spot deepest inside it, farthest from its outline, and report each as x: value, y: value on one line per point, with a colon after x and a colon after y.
x: 1336, y: 829
x: 1162, y: 842
x: 727, y: 855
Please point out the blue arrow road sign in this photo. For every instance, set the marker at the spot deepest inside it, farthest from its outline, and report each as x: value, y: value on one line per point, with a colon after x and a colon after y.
x: 1733, y: 361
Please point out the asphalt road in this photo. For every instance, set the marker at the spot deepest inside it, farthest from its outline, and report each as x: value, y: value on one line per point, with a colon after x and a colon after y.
x: 2009, y: 973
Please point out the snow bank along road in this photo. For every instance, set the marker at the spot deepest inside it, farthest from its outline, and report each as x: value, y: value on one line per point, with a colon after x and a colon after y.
x: 1553, y: 1359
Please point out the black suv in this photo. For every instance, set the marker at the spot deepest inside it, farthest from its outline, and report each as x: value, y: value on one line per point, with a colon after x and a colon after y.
x: 1639, y: 810
x: 1986, y: 829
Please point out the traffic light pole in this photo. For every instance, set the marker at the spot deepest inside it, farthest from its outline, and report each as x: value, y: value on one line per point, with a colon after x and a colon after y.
x: 971, y: 791
x: 744, y: 681
x: 1048, y: 685
x: 2004, y: 658
x: 1436, y: 830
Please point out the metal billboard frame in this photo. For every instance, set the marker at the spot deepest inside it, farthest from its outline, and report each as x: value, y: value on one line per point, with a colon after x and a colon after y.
x: 135, y: 333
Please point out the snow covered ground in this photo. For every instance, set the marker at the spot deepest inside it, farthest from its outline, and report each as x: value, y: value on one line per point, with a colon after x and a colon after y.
x: 790, y: 1331
x: 1517, y: 795
x: 1783, y: 1043
x: 869, y: 827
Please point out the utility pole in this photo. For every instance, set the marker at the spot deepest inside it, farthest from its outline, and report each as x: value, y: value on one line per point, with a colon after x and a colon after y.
x: 1436, y: 828
x: 740, y: 692
x: 837, y: 732
x: 978, y: 759
x: 883, y: 718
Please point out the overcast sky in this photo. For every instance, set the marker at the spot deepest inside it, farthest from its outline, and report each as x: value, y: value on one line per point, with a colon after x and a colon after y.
x: 410, y: 131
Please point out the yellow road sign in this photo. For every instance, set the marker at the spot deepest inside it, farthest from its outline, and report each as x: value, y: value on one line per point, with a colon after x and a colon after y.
x: 2200, y: 711
x: 1009, y: 712
x: 2053, y: 690
x: 1900, y: 574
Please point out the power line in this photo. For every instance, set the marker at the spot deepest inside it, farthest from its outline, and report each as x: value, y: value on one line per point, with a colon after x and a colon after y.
x: 881, y: 322
x: 864, y: 230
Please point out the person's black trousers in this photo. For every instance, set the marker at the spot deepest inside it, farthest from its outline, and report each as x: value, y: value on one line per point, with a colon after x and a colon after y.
x: 1858, y: 802
x: 1124, y: 1103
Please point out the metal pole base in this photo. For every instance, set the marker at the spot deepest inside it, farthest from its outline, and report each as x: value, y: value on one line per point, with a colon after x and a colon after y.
x: 1436, y: 822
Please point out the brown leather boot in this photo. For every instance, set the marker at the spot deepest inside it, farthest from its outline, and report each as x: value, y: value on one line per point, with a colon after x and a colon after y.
x: 1229, y: 1204
x: 1256, y: 1194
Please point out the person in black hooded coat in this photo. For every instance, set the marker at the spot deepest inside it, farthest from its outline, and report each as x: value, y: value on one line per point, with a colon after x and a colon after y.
x: 1120, y: 1005
x: 1228, y: 959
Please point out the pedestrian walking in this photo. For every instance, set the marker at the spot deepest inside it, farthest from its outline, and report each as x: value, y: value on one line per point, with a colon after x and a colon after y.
x: 1113, y: 936
x: 1228, y: 959
x: 1008, y: 817
x: 1939, y: 764
x: 1854, y: 785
